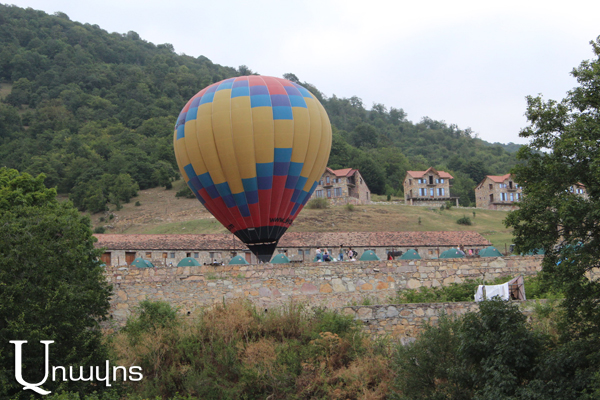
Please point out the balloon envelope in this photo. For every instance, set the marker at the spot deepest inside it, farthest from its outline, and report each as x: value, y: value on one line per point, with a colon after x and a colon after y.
x: 252, y: 150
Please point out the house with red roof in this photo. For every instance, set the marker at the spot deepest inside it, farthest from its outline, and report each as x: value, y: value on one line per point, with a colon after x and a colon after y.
x: 428, y: 188
x: 343, y: 186
x: 498, y: 192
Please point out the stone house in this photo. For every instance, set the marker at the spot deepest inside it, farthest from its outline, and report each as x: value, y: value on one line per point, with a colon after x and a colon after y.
x: 498, y: 193
x: 343, y: 186
x: 167, y: 250
x: 428, y: 188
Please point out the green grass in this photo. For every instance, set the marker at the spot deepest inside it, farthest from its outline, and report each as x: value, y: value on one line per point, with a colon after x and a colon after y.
x: 196, y: 226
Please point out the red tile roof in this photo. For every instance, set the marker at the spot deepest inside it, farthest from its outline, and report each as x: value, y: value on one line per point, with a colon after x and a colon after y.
x: 499, y: 178
x: 223, y: 241
x: 419, y: 174
x: 342, y: 172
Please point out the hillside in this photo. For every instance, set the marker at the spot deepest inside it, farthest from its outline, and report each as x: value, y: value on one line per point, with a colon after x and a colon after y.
x: 95, y: 112
x: 160, y: 212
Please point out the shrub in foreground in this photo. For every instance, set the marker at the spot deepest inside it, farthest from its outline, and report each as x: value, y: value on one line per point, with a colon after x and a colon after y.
x: 234, y: 351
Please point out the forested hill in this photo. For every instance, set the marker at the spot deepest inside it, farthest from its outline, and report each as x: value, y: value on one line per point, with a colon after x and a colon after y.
x: 95, y: 112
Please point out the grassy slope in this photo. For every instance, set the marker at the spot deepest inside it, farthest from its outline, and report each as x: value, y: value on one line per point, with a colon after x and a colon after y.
x: 161, y: 212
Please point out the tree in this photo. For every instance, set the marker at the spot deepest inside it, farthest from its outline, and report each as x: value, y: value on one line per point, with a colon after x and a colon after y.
x: 563, y: 153
x: 52, y: 286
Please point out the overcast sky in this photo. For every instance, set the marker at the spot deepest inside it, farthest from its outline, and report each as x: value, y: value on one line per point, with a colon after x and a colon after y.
x: 469, y: 63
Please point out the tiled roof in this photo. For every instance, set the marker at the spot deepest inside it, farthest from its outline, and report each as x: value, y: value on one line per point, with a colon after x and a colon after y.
x: 499, y: 178
x: 221, y: 241
x: 419, y: 174
x: 342, y: 172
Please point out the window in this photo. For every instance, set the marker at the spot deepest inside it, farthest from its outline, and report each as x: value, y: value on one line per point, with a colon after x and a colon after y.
x: 319, y: 193
x: 321, y: 182
x: 502, y: 185
x: 422, y: 192
x: 439, y: 180
x: 410, y: 181
x: 196, y: 254
x: 440, y: 191
x: 503, y: 196
x: 148, y: 254
x: 512, y: 197
x: 328, y: 193
x: 518, y: 196
x: 337, y: 192
x: 327, y: 179
x: 188, y: 254
x: 215, y: 254
x: 164, y: 255
x: 431, y: 192
x: 491, y: 186
x: 172, y: 254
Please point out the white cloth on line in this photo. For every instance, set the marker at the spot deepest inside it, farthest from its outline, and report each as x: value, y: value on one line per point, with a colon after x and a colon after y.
x: 488, y: 292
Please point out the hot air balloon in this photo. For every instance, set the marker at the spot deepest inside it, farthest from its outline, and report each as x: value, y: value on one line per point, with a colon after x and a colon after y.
x: 252, y: 150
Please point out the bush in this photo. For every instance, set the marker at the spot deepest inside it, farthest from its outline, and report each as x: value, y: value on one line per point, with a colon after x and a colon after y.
x: 233, y: 350
x: 349, y: 207
x: 99, y: 229
x: 137, y: 204
x: 185, y: 192
x: 464, y: 221
x: 318, y: 203
x: 491, y: 354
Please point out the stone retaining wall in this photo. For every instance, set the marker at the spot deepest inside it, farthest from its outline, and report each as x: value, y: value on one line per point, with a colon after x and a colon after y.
x: 406, y: 321
x: 333, y: 285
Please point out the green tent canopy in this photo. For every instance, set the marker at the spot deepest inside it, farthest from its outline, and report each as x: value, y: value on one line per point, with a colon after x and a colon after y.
x: 451, y: 253
x: 410, y: 255
x: 141, y: 263
x: 280, y: 259
x: 369, y: 255
x: 535, y: 252
x: 188, y: 262
x: 238, y: 260
x: 490, y: 251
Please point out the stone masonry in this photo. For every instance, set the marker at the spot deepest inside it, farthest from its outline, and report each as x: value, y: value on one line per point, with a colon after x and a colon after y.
x: 332, y: 285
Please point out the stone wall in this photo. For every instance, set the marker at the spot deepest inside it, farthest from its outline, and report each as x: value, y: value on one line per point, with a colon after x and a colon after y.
x: 332, y: 285
x: 406, y: 321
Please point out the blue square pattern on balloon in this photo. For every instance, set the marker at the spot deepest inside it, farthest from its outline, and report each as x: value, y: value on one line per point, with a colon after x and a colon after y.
x: 298, y: 101
x: 225, y: 85
x: 260, y: 100
x: 244, y: 210
x: 280, y: 100
x: 192, y: 114
x: 240, y: 91
x: 258, y: 90
x: 240, y: 83
x: 283, y: 113
x: 180, y: 132
x: 240, y: 198
x: 305, y: 93
x: 211, y: 89
x: 207, y: 98
x: 195, y: 102
x: 292, y: 91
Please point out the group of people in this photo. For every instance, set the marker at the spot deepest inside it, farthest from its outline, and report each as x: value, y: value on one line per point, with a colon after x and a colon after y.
x: 323, y: 255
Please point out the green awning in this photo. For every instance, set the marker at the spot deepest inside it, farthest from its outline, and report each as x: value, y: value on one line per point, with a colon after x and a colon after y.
x: 188, y: 262
x: 369, y: 255
x: 280, y: 259
x: 238, y: 260
x: 141, y: 263
x: 410, y: 255
x: 490, y: 251
x: 452, y: 253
